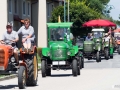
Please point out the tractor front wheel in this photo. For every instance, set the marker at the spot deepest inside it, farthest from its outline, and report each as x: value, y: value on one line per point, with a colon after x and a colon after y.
x: 98, y: 59
x: 75, y: 67
x: 22, y: 77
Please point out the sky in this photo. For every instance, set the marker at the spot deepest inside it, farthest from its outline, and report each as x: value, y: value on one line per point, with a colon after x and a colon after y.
x: 116, y: 11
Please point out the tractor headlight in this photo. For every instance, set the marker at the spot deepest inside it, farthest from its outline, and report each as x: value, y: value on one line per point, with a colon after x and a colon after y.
x: 48, y: 53
x: 12, y: 59
x: 107, y: 45
x: 68, y: 53
x: 97, y: 40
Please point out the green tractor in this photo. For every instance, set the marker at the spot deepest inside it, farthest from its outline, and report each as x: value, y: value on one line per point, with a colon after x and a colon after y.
x: 79, y: 42
x: 108, y: 48
x: 93, y: 48
x: 60, y: 52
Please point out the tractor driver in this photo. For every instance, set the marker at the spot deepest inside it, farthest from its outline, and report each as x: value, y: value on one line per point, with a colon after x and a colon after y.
x: 9, y: 37
x: 89, y: 37
x: 59, y: 35
x: 107, y: 37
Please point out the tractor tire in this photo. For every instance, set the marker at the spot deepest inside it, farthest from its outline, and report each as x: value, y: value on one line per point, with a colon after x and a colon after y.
x: 22, y: 77
x: 43, y: 68
x: 118, y: 49
x: 82, y: 62
x: 32, y: 71
x: 79, y: 66
x: 74, y: 67
x: 111, y: 56
x: 78, y: 70
x: 98, y: 59
x: 48, y: 72
x: 106, y: 54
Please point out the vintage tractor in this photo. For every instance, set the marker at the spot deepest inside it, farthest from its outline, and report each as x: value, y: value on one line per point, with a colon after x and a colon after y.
x: 60, y: 53
x: 26, y: 68
x: 107, y: 48
x: 117, y: 37
x: 93, y: 48
x: 79, y: 42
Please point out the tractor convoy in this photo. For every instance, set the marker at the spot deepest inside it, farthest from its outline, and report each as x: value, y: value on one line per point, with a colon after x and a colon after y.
x: 27, y: 69
x: 60, y: 54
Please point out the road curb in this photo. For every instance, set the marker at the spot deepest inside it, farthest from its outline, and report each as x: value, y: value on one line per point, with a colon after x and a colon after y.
x: 10, y: 77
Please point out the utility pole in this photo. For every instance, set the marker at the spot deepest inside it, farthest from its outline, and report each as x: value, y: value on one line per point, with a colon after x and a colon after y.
x: 64, y: 10
x: 68, y: 12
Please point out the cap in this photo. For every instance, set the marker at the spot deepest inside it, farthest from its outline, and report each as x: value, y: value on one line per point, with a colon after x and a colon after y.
x: 9, y: 25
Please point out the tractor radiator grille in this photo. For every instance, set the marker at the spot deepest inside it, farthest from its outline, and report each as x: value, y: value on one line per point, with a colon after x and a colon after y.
x: 59, y: 53
x: 2, y: 56
x: 88, y: 47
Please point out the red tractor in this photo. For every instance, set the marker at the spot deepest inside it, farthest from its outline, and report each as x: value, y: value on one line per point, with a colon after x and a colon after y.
x: 27, y: 69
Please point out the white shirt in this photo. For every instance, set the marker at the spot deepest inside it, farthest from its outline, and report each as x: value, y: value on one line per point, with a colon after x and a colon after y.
x: 106, y: 39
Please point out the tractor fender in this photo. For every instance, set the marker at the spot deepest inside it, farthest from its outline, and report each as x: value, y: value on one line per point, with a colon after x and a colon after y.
x: 45, y: 51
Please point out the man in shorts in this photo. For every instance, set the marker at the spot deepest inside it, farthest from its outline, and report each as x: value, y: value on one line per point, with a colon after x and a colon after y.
x: 9, y: 37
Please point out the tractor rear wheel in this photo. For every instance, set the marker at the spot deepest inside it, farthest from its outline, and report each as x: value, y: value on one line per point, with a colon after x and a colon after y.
x: 74, y: 67
x: 119, y: 49
x: 22, y: 77
x: 82, y: 62
x: 106, y: 54
x: 43, y: 68
x: 79, y: 66
x: 32, y: 71
x: 48, y: 72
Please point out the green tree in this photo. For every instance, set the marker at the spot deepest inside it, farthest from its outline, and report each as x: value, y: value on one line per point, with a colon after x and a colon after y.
x: 79, y: 13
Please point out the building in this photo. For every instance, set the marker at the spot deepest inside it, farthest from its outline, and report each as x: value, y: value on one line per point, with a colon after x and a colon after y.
x: 38, y: 11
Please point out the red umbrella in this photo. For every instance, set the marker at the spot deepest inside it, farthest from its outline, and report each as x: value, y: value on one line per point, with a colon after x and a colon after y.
x: 99, y: 22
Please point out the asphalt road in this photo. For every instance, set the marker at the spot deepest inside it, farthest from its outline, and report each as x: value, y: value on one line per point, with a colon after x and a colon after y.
x: 95, y: 76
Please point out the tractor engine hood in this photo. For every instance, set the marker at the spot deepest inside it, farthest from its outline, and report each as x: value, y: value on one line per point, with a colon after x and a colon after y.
x: 59, y: 45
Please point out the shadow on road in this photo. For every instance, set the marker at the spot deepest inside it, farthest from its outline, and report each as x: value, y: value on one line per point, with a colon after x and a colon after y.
x: 61, y: 75
x: 8, y: 86
x: 89, y: 61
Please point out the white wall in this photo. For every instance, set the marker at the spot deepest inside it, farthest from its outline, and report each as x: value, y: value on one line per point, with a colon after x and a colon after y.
x: 42, y: 27
x: 3, y: 17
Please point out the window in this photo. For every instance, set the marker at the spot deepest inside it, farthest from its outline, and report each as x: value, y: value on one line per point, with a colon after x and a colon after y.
x: 15, y: 3
x: 48, y: 10
x: 28, y: 8
x: 24, y: 8
x: 52, y: 7
x: 10, y: 6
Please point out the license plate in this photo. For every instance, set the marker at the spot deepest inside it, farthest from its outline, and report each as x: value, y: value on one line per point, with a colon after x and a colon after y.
x: 1, y: 67
x: 58, y: 62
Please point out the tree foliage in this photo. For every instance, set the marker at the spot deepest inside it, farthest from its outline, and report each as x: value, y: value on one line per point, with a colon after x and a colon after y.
x: 79, y: 14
